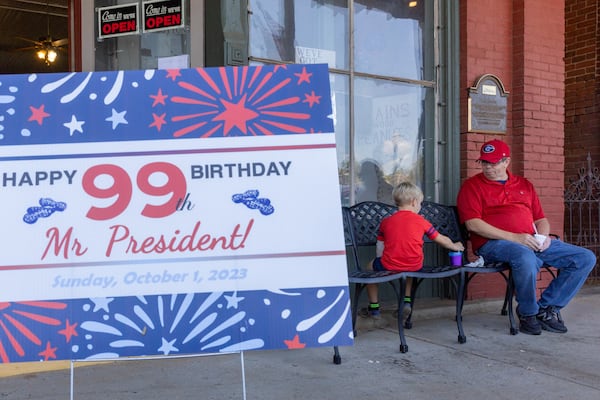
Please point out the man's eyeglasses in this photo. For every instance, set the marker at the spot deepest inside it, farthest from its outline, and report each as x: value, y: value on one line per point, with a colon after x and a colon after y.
x: 491, y: 164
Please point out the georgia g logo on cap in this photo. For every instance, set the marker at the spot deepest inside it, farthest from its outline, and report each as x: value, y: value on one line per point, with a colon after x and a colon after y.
x: 488, y: 148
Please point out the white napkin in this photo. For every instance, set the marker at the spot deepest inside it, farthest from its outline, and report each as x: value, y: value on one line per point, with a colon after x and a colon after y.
x: 477, y: 263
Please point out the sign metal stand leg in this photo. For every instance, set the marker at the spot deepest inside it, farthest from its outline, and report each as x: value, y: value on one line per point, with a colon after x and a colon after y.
x: 243, y: 375
x: 72, y: 379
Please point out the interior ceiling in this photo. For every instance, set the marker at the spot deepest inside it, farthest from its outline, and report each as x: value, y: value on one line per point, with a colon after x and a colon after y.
x: 24, y: 21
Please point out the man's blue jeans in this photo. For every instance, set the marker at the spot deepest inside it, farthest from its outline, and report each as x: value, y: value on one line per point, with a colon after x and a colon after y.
x: 573, y: 262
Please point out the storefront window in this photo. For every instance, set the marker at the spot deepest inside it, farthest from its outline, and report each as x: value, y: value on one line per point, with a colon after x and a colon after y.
x: 382, y: 79
x: 306, y: 32
x: 388, y: 141
x: 389, y: 39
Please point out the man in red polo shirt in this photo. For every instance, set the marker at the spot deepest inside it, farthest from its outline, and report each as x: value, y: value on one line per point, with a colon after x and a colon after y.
x: 502, y: 212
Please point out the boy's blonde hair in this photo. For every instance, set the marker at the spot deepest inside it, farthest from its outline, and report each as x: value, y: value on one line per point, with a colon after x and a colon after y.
x: 406, y: 192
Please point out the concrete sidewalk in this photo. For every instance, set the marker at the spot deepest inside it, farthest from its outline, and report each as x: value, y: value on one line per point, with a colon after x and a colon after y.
x: 491, y: 365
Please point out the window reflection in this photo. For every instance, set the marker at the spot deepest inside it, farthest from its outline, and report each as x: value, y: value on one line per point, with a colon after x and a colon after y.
x: 389, y: 39
x: 389, y: 131
x: 371, y: 184
x: 304, y: 32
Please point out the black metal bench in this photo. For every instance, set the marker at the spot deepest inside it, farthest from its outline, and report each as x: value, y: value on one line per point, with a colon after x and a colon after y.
x: 363, y: 221
x: 361, y: 224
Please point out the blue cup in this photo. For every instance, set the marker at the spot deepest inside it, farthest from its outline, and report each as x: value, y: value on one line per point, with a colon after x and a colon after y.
x: 455, y: 258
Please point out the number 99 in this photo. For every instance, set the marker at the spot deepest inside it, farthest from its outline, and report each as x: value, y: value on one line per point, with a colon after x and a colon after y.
x: 122, y: 189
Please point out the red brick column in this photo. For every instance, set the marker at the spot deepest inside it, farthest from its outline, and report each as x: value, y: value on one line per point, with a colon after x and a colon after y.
x: 538, y: 100
x: 522, y: 43
x: 485, y: 48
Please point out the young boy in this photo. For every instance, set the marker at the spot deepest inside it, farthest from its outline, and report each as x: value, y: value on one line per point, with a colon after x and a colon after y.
x: 400, y: 242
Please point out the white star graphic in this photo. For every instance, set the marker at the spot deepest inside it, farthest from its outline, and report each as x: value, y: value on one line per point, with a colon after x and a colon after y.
x: 167, y: 347
x: 233, y: 300
x: 101, y: 303
x: 74, y: 125
x: 117, y: 118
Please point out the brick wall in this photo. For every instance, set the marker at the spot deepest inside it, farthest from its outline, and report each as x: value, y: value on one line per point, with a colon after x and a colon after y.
x: 539, y: 100
x: 522, y: 43
x: 486, y: 48
x: 582, y: 83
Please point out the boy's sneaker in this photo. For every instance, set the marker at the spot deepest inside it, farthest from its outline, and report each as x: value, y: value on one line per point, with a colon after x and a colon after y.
x: 369, y: 313
x: 548, y: 319
x: 529, y: 324
x: 370, y: 320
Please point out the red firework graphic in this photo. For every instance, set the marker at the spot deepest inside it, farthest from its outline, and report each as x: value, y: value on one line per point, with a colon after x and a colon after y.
x: 22, y: 325
x: 243, y: 100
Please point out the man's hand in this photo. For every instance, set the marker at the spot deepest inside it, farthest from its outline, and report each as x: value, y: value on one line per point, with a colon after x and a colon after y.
x: 546, y: 244
x: 530, y: 241
x: 486, y: 230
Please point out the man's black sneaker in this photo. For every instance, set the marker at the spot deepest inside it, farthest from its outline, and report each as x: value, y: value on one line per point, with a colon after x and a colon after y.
x: 548, y: 318
x: 530, y: 325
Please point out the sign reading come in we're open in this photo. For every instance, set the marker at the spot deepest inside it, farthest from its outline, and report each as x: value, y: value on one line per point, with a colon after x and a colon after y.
x: 169, y: 212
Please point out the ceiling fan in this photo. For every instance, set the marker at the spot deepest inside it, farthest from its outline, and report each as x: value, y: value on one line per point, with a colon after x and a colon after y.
x: 46, y: 48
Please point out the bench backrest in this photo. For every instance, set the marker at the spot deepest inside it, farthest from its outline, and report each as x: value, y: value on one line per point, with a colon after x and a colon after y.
x: 362, y: 220
x: 365, y: 219
x: 361, y: 225
x: 444, y: 219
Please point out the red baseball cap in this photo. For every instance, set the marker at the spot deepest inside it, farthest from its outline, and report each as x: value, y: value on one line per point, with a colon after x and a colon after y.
x: 494, y: 151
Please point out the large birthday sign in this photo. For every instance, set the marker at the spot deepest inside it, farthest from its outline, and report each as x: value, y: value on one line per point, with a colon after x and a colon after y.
x: 169, y: 212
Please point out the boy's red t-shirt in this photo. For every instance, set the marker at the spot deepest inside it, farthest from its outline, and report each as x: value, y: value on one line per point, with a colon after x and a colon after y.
x: 402, y: 236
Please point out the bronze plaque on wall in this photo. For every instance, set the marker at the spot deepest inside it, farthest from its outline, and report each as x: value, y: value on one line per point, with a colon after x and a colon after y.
x: 487, y: 106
